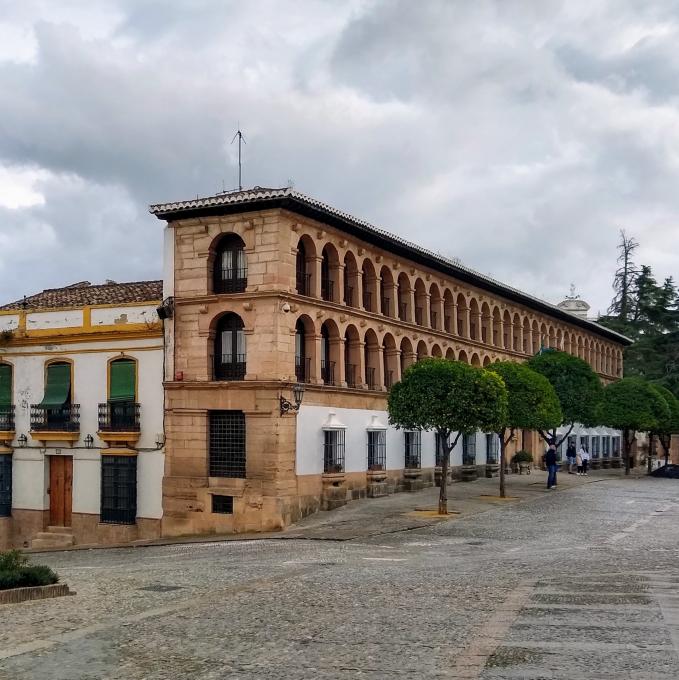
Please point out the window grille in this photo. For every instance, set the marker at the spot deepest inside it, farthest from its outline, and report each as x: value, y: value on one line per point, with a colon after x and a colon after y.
x: 615, y: 447
x: 222, y: 505
x: 64, y: 418
x: 419, y: 313
x: 328, y: 372
x: 333, y: 451
x: 348, y: 295
x: 438, y: 449
x: 386, y: 308
x: 433, y: 316
x: 595, y: 447
x: 227, y: 444
x: 5, y: 485
x: 606, y: 447
x: 118, y: 489
x: 370, y: 378
x: 403, y: 311
x: 413, y: 450
x: 303, y: 280
x: 367, y: 301
x: 377, y: 450
x: 468, y: 449
x: 584, y: 442
x: 492, y: 449
x: 350, y: 370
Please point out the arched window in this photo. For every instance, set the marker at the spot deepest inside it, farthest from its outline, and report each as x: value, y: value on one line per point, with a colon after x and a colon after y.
x: 328, y: 353
x: 6, y: 405
x: 230, y: 273
x: 302, y: 368
x: 229, y: 348
x: 120, y: 412
x: 302, y: 275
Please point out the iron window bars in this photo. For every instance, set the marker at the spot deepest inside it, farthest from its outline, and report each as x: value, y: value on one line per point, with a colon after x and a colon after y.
x: 606, y: 447
x: 328, y: 371
x: 5, y: 485
x: 468, y: 449
x: 595, y: 447
x: 492, y: 449
x: 413, y: 450
x: 333, y: 451
x: 222, y: 505
x: 118, y: 489
x: 64, y: 418
x: 377, y: 450
x: 227, y: 444
x: 119, y: 416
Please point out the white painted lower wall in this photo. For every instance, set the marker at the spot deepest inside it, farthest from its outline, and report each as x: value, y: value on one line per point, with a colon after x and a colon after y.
x: 309, y: 443
x: 30, y: 480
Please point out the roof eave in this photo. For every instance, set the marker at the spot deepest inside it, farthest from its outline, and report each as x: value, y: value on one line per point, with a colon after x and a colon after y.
x: 371, y: 235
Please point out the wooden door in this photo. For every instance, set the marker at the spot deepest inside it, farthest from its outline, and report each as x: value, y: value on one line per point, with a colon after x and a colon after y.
x: 61, y: 490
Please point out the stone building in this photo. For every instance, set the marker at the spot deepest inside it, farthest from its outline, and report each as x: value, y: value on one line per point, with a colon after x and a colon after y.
x: 272, y: 289
x: 81, y: 416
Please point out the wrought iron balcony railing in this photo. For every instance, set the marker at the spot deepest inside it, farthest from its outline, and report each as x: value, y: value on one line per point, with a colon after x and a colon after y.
x: 231, y: 280
x: 350, y: 370
x: 7, y: 418
x: 304, y: 284
x: 120, y: 416
x: 328, y: 372
x: 328, y: 290
x: 64, y: 418
x: 230, y: 367
x: 370, y: 377
x: 303, y: 369
x: 367, y: 301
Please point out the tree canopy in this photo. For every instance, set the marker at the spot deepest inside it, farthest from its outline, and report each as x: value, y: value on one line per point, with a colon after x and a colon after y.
x: 447, y: 396
x: 632, y: 405
x: 670, y: 425
x: 532, y: 405
x: 533, y: 402
x: 577, y: 386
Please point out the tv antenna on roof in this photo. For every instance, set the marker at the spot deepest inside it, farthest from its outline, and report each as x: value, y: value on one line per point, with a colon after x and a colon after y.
x: 241, y: 139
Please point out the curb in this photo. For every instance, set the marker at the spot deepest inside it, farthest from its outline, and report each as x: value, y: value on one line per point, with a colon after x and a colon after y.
x: 16, y: 595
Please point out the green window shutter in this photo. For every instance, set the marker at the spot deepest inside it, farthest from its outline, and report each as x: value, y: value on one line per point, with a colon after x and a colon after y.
x: 122, y: 385
x: 58, y: 387
x: 5, y: 385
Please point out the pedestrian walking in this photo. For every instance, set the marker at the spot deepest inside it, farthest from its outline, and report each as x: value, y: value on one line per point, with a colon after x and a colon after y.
x: 578, y: 460
x: 571, y: 455
x: 585, y: 461
x: 550, y: 462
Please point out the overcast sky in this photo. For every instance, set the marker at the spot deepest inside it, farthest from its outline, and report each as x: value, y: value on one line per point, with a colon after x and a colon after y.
x: 519, y: 136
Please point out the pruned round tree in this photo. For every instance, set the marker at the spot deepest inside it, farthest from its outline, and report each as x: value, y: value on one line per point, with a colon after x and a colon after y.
x: 449, y: 397
x: 532, y: 405
x: 669, y: 425
x: 631, y: 405
x: 577, y: 387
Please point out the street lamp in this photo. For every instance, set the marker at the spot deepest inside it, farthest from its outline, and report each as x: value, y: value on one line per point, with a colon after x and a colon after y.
x: 23, y: 440
x: 297, y: 395
x: 89, y: 441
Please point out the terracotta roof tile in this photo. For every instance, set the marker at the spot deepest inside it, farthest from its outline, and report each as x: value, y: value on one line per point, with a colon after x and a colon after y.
x: 84, y: 293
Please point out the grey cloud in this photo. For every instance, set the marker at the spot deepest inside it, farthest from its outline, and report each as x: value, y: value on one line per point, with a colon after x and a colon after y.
x: 471, y: 128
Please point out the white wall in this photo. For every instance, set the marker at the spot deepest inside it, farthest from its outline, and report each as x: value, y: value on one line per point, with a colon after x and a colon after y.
x: 310, y: 421
x: 119, y: 316
x: 65, y: 318
x: 90, y: 364
x: 9, y: 322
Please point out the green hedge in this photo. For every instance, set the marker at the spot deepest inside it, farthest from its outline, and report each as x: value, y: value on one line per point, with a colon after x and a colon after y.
x: 15, y: 572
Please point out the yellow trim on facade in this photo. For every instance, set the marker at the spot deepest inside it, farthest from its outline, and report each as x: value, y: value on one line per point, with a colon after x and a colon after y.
x: 54, y: 436
x: 119, y: 452
x: 127, y: 436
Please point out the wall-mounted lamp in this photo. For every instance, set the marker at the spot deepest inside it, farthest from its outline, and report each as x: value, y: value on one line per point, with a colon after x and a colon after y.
x: 89, y: 441
x: 160, y: 440
x: 23, y: 440
x: 297, y: 395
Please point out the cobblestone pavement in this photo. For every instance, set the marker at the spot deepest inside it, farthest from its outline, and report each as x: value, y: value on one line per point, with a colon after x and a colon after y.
x: 582, y: 583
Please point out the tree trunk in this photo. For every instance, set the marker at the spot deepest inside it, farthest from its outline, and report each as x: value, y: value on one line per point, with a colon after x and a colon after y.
x: 628, y: 445
x: 443, y: 482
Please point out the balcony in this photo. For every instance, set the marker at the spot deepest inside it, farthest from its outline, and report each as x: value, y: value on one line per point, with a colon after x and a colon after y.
x: 230, y: 367
x: 7, y: 422
x: 303, y: 369
x: 304, y: 284
x: 328, y: 290
x: 350, y: 370
x: 231, y: 281
x: 328, y: 372
x: 119, y: 422
x: 61, y: 423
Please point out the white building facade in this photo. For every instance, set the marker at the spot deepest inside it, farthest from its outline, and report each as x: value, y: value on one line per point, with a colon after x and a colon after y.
x: 81, y: 416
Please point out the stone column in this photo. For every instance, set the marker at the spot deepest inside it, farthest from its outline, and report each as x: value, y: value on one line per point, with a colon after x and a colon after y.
x: 491, y: 331
x: 379, y: 368
x: 315, y: 265
x: 361, y: 382
x: 317, y: 377
x: 337, y: 276
x: 337, y: 351
x: 426, y: 319
x: 438, y: 309
x: 358, y: 290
